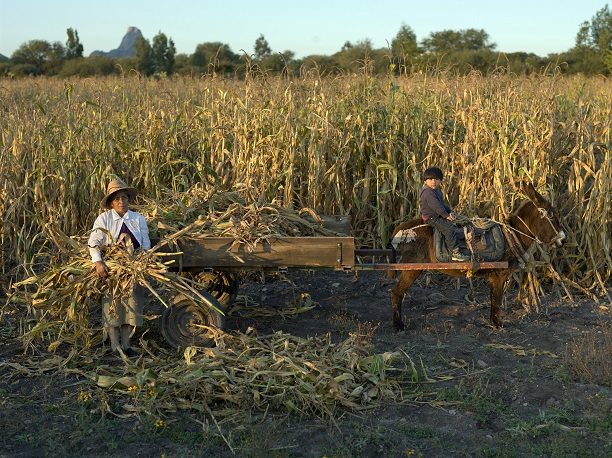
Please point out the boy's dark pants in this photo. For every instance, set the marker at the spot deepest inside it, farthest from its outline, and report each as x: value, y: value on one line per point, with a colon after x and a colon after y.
x: 447, y: 230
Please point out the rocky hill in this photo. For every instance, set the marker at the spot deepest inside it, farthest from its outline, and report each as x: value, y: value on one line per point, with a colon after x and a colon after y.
x: 126, y: 48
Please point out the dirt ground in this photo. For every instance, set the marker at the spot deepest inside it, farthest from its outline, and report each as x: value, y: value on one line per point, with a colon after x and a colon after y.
x: 513, y: 393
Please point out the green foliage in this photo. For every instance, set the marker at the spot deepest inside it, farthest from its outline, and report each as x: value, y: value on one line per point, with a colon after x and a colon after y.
x: 212, y: 58
x: 127, y: 65
x: 362, y: 58
x: 319, y: 65
x: 465, y: 61
x: 262, y: 48
x: 144, y: 56
x: 594, y: 43
x: 74, y: 48
x: 456, y: 41
x: 277, y: 63
x: 596, y: 34
x: 460, y: 51
x: 5, y: 69
x: 162, y: 54
x: 405, y: 42
x: 88, y: 67
x: 23, y: 70
x: 45, y: 57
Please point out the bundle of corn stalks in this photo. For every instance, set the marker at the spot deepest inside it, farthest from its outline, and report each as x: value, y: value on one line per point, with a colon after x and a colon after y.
x: 216, y: 213
x: 62, y: 298
x: 244, y: 371
x: 275, y: 372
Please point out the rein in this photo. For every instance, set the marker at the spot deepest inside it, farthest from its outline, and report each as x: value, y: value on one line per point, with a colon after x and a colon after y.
x: 515, y: 243
x: 543, y: 215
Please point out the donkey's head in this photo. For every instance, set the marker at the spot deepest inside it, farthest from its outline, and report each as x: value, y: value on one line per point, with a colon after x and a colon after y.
x: 540, y: 217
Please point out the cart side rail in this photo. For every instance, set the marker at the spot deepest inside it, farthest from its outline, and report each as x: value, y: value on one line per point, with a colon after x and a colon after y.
x: 275, y: 252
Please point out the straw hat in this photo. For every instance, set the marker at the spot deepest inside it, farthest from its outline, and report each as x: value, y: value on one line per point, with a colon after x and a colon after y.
x: 113, y: 187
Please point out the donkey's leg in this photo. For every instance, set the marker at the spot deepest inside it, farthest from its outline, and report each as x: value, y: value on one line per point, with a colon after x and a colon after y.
x: 497, y: 282
x: 398, y: 293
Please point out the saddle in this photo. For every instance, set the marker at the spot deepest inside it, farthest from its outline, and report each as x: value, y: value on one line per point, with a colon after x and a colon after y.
x: 482, y: 238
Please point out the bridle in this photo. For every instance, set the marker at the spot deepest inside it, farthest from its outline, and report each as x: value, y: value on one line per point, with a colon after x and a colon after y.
x: 559, y: 235
x: 515, y: 243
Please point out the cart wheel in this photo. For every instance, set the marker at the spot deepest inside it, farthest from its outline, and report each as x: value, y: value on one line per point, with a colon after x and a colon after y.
x: 222, y: 285
x: 185, y: 323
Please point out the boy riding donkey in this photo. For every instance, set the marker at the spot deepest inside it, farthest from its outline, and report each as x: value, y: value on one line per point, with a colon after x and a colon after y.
x: 438, y: 214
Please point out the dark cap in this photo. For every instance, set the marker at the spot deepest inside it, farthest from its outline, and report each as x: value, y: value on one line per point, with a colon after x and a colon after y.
x: 433, y: 172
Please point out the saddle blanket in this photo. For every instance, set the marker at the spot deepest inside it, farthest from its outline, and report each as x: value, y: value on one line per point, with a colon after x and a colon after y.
x: 481, y: 238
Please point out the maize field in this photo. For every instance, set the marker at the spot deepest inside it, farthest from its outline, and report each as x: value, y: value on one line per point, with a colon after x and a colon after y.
x: 247, y: 159
x: 353, y: 145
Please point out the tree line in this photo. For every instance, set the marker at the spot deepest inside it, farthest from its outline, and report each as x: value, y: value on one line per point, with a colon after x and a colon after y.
x: 461, y: 51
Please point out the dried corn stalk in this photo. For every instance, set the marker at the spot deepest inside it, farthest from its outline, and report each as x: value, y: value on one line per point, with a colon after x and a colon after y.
x: 311, y: 376
x: 61, y: 298
x: 227, y: 214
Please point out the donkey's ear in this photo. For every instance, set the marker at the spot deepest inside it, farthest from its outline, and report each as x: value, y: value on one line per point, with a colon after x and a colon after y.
x: 528, y: 189
x: 531, y: 192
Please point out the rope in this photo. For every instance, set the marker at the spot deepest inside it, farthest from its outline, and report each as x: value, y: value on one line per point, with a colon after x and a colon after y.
x: 513, y: 240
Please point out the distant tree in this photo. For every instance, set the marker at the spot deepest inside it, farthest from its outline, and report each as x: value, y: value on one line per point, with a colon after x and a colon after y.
x: 523, y: 63
x: 5, y: 68
x: 127, y: 65
x: 214, y: 57
x: 74, y: 48
x: 405, y: 42
x: 40, y: 56
x: 357, y: 58
x: 319, y: 65
x: 34, y: 52
x: 476, y: 40
x: 162, y: 54
x: 181, y: 65
x: 143, y: 56
x: 594, y: 41
x: 445, y: 41
x: 24, y: 70
x: 448, y: 41
x: 262, y: 48
x: 464, y: 62
x: 277, y: 62
x: 346, y: 46
x: 89, y: 66
x: 56, y: 60
x: 596, y: 34
x: 202, y: 55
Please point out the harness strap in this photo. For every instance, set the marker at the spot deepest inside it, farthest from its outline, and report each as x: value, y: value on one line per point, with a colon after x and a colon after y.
x: 468, y: 233
x: 515, y: 245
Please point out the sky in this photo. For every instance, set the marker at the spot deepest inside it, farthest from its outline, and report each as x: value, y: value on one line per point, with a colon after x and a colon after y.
x: 307, y: 27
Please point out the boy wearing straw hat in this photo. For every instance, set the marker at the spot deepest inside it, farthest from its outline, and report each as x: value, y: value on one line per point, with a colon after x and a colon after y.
x: 123, y: 224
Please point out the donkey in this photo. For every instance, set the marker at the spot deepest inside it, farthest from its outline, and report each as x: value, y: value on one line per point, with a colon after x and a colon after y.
x: 534, y: 221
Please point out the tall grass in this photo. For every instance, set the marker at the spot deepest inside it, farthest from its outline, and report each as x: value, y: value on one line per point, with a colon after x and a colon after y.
x: 352, y: 145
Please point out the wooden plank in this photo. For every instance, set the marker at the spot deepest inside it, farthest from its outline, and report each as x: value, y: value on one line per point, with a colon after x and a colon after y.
x: 373, y: 252
x: 279, y: 252
x: 434, y: 266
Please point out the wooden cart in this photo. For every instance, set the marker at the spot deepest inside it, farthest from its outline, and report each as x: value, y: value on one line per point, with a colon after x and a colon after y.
x: 215, y: 261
